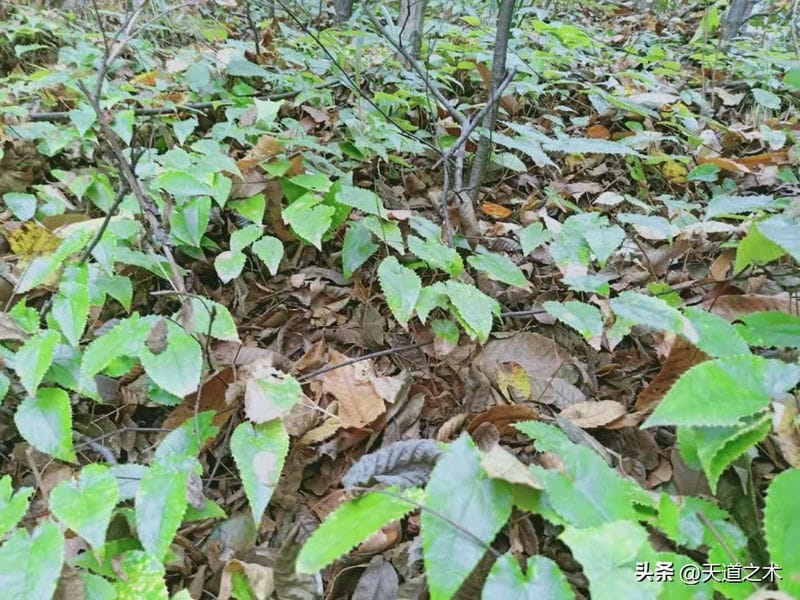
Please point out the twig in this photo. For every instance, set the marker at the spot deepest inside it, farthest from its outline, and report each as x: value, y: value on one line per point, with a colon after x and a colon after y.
x: 102, y: 450
x: 123, y: 189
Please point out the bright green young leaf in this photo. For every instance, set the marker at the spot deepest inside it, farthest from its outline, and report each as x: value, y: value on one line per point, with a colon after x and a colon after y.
x: 647, y: 310
x: 229, y: 265
x: 267, y: 110
x: 25, y: 316
x: 510, y: 161
x: 431, y: 297
x: 86, y: 505
x: 189, y: 221
x: 387, y: 232
x: 182, y: 184
x: 251, y: 208
x: 357, y: 248
x: 13, y: 504
x: 782, y: 528
x: 22, y: 205
x: 122, y: 124
x: 401, y: 286
x: 542, y: 579
x: 604, y: 240
x: 71, y: 304
x: 783, y: 230
x: 587, y: 146
x: 178, y: 368
x: 97, y: 587
x: 124, y: 339
x: 585, y: 318
x: 160, y: 505
x: 259, y: 452
x: 609, y: 553
x: 791, y: 79
x: 706, y: 172
x: 715, y: 335
x: 721, y: 392
x: 498, y: 267
x: 308, y: 218
x: 588, y: 283
x: 183, y: 128
x: 770, y: 328
x: 728, y: 204
x: 533, y: 236
x: 271, y: 396
x: 474, y: 310
x: 30, y: 565
x: 717, y: 447
x: 211, y: 318
x: 351, y: 523
x: 182, y: 445
x: 118, y: 287
x: 446, y: 330
x: 45, y: 421
x: 83, y: 118
x: 460, y: 490
x: 142, y: 577
x: 436, y: 254
x: 34, y: 358
x: 756, y: 249
x: 242, y: 238
x: 270, y: 250
x: 364, y: 200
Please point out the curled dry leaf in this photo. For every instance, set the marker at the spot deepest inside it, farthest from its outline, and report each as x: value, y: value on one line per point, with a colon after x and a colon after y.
x: 503, y: 417
x: 593, y: 413
x: 499, y: 463
x: 259, y: 579
x: 352, y: 385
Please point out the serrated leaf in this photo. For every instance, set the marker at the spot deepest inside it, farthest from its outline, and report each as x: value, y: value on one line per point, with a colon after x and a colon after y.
x: 533, y: 236
x: 22, y: 205
x: 770, y: 328
x: 387, y: 232
x: 86, y: 505
x: 498, y: 267
x: 585, y: 318
x: 706, y: 172
x: 45, y: 421
x: 251, y: 208
x: 364, y: 200
x: 587, y: 146
x: 508, y: 160
x: 401, y: 286
x: 271, y: 396
x: 473, y: 309
x: 13, y: 504
x: 30, y: 565
x: 766, y: 99
x: 178, y: 368
x: 70, y: 307
x: 715, y: 335
x: 718, y: 447
x: 142, y: 577
x: 270, y: 250
x: 182, y: 184
x: 124, y: 339
x: 542, y: 579
x: 242, y: 238
x: 178, y: 450
x: 445, y: 330
x: 404, y: 464
x: 460, y: 490
x: 211, y: 318
x: 782, y: 529
x: 34, y: 358
x: 357, y: 248
x: 83, y: 118
x: 603, y: 241
x: 259, y: 452
x: 647, y: 310
x: 308, y: 218
x: 733, y: 387
x: 350, y: 524
x: 431, y: 297
x: 160, y: 506
x: 229, y: 265
x: 188, y: 223
x: 783, y: 230
x: 728, y: 204
x: 436, y: 254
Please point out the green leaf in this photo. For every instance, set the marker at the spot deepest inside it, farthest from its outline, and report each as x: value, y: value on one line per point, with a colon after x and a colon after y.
x: 22, y: 205
x: 308, y: 218
x: 588, y: 283
x: 183, y: 128
x: 178, y: 368
x: 728, y: 204
x: 445, y: 330
x: 603, y: 241
x: 122, y: 124
x: 251, y: 208
x: 142, y: 576
x: 527, y: 146
x: 364, y: 200
x: 587, y: 146
x: 31, y: 565
x: 242, y: 238
x: 259, y: 452
x: 460, y: 490
x: 71, y: 305
x: 533, y: 236
x: 5, y: 383
x: 707, y: 172
x: 387, y: 232
x: 766, y: 99
x: 436, y: 254
x: 357, y: 248
x: 715, y: 335
x: 401, y: 286
x: 473, y: 309
x: 270, y: 250
x: 498, y: 267
x: 271, y: 396
x: 756, y: 249
x: 733, y: 387
x: 86, y: 505
x: 160, y: 505
x: 13, y: 504
x: 182, y: 184
x: 34, y: 358
x: 430, y: 297
x: 718, y: 447
x: 229, y: 265
x: 510, y: 161
x: 609, y: 554
x: 647, y: 310
x: 350, y: 524
x: 45, y: 421
x: 222, y: 327
x: 791, y: 79
x: 783, y: 230
x: 179, y: 449
x: 124, y: 339
x: 585, y: 318
x: 542, y: 579
x: 782, y: 528
x: 770, y: 328
x: 83, y: 118
x: 266, y: 110
x: 188, y: 222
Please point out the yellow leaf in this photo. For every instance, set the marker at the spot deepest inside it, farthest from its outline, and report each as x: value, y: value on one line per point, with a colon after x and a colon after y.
x: 675, y: 172
x: 31, y: 239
